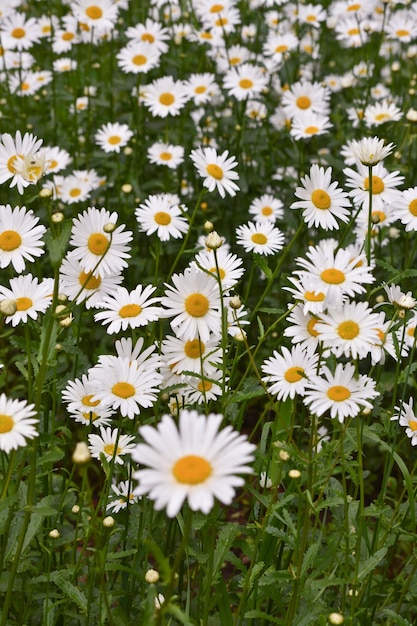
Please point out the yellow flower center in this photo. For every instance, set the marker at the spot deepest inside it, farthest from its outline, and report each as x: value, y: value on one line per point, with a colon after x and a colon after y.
x: 6, y: 424
x: 123, y: 390
x: 381, y: 334
x: 379, y: 216
x: 88, y: 281
x: 354, y: 7
x: 94, y: 12
x: 11, y: 163
x: 139, y: 59
x: 411, y: 331
x: 219, y: 271
x: 196, y: 305
x: 222, y: 21
x: 23, y: 303
x: 401, y: 32
x: 303, y: 102
x: 148, y: 37
x: 266, y: 210
x: 114, y: 140
x: 165, y: 156
x: 312, y: 296
x: 280, y: 49
x: 311, y: 18
x: 75, y: 192
x: 216, y: 8
x: 192, y: 469
x: 109, y: 449
x: 245, y: 83
x: 87, y: 401
x: 68, y: 36
x: 10, y: 240
x: 338, y: 393
x: 353, y: 31
x: 321, y: 199
x: 377, y: 184
x: 204, y: 385
x: 348, y: 329
x: 332, y: 276
x: 381, y: 117
x: 234, y: 60
x: 259, y: 238
x: 413, y: 425
x: 166, y: 99
x: 311, y: 327
x: 24, y: 86
x: 311, y: 130
x: 215, y: 171
x: 90, y: 416
x: 18, y: 33
x: 294, y: 374
x: 194, y: 349
x: 162, y: 218
x: 200, y: 89
x: 130, y: 310
x: 412, y: 207
x: 98, y: 243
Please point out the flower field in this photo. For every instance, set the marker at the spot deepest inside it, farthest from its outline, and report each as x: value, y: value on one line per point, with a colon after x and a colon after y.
x: 208, y: 311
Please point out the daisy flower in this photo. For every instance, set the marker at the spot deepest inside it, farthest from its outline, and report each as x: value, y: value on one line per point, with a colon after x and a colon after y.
x: 340, y: 392
x: 100, y: 15
x: 191, y: 355
x: 158, y: 214
x: 13, y: 150
x: 410, y: 336
x: 194, y: 461
x: 404, y: 413
x: 322, y: 200
x: 124, y: 309
x: 112, y: 137
x: 19, y: 33
x: 201, y: 88
x: 72, y: 189
x: 260, y: 237
x: 301, y: 328
x: 313, y: 301
x: 126, y: 350
x: 125, y: 385
x: 311, y: 14
x: 121, y: 497
x: 30, y: 295
x: 228, y: 268
x: 202, y: 389
x: 217, y: 170
x: 370, y: 150
x: 398, y: 298
x: 406, y: 208
x: 245, y: 81
x: 165, y: 96
x: 151, y: 32
x: 78, y: 394
x: 384, y: 186
x: 305, y: 96
x: 194, y: 303
x: 279, y: 44
x: 20, y: 237
x: 16, y: 423
x: 162, y: 153
x: 267, y: 208
x: 98, y: 250
x: 308, y: 124
x: 57, y: 159
x: 350, y: 331
x: 138, y: 57
x: 381, y: 112
x: 110, y: 443
x: 287, y: 373
x: 83, y: 286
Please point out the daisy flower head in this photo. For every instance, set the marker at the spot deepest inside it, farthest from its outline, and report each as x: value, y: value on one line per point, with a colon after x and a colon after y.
x: 191, y: 355
x: 406, y: 416
x: 121, y: 497
x: 313, y: 301
x: 194, y: 461
x: 19, y: 33
x: 17, y: 423
x: 111, y: 444
x: 370, y: 150
x: 57, y: 159
x: 216, y: 170
x: 151, y: 32
x: 311, y: 14
x: 158, y: 214
x: 245, y: 81
x: 341, y: 392
x: 20, y: 237
x: 138, y: 57
x: 201, y: 88
x: 224, y: 265
x: 111, y: 137
x: 381, y: 112
x: 194, y: 303
x: 81, y: 286
x: 14, y: 152
x: 165, y: 96
x: 260, y: 237
x: 99, y: 251
x: 30, y: 295
x: 382, y: 185
x: 308, y: 124
x: 266, y: 207
x: 406, y: 209
x: 78, y: 395
x: 100, y: 15
x: 162, y: 153
x: 304, y: 96
x: 203, y: 388
x: 322, y: 200
x: 398, y: 298
x: 286, y: 374
x: 124, y: 309
x: 301, y: 328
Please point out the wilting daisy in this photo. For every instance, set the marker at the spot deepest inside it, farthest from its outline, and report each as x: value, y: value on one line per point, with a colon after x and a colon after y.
x: 350, y: 331
x: 404, y: 413
x: 194, y: 462
x: 110, y: 443
x: 260, y: 237
x: 370, y: 150
x: 194, y: 303
x: 322, y: 200
x: 217, y: 170
x: 13, y: 151
x: 20, y: 237
x: 384, y: 186
x: 162, y: 153
x: 165, y: 96
x: 30, y: 296
x: 286, y: 374
x: 112, y: 137
x: 100, y: 249
x: 245, y: 81
x: 159, y: 214
x: 121, y: 497
x: 83, y: 286
x: 341, y: 392
x: 16, y: 423
x: 124, y: 309
x: 228, y: 266
x: 191, y: 355
x: 266, y: 207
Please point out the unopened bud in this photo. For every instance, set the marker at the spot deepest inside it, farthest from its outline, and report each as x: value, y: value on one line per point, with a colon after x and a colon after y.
x: 336, y: 618
x: 8, y: 306
x: 109, y: 227
x: 54, y: 533
x: 294, y: 473
x: 45, y: 192
x: 235, y: 302
x: 208, y: 226
x: 75, y: 509
x: 81, y: 453
x: 127, y: 188
x: 152, y: 576
x: 57, y: 217
x: 108, y: 522
x: 213, y: 241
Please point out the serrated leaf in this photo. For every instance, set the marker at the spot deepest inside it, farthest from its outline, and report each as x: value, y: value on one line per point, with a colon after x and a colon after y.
x: 225, y: 539
x: 260, y: 261
x: 256, y: 614
x: 60, y: 578
x: 57, y: 246
x: 370, y: 564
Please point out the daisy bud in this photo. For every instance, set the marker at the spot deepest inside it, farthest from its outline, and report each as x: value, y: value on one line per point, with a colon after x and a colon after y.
x: 54, y: 533
x: 8, y: 306
x: 108, y: 522
x: 284, y: 456
x: 366, y: 411
x: 294, y: 473
x: 61, y: 310
x: 208, y: 226
x: 109, y: 227
x: 152, y: 576
x: 81, y: 453
x: 57, y: 217
x: 45, y: 193
x: 127, y: 188
x: 379, y: 299
x: 411, y: 115
x: 336, y: 618
x: 393, y: 233
x: 127, y: 150
x: 240, y: 336
x: 58, y: 347
x: 66, y: 321
x: 235, y: 302
x: 75, y: 509
x: 213, y: 241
